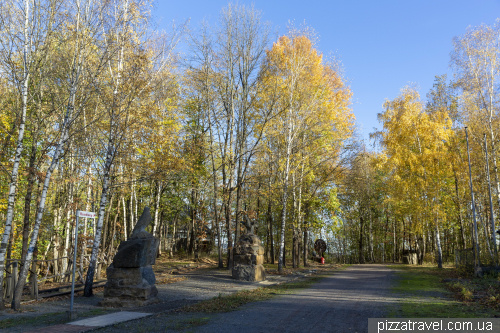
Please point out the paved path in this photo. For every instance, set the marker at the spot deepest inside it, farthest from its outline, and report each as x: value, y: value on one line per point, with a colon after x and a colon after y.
x: 341, y: 302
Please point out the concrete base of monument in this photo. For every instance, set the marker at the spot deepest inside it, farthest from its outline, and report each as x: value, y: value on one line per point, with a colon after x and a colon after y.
x: 253, y: 273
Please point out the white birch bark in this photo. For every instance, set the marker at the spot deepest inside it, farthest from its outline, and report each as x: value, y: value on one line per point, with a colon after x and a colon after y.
x: 476, y: 57
x: 100, y: 219
x: 19, y: 146
x: 125, y: 237
x: 41, y: 208
x: 131, y: 207
x: 74, y: 80
x: 157, y: 209
x: 438, y: 245
x: 85, y: 221
x: 110, y: 155
x: 284, y: 197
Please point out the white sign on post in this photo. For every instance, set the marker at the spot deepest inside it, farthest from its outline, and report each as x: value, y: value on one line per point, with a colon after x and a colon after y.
x: 90, y: 215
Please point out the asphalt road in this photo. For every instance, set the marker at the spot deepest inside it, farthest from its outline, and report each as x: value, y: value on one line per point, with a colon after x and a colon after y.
x: 341, y: 302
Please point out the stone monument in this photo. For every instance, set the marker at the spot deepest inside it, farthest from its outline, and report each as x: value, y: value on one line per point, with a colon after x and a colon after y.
x: 131, y: 280
x: 248, y: 256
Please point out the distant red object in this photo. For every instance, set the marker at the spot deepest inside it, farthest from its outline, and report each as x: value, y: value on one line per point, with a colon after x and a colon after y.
x: 322, y: 261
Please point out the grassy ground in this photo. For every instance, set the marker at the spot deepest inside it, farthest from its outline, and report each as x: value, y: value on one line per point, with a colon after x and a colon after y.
x: 49, y: 319
x: 444, y: 293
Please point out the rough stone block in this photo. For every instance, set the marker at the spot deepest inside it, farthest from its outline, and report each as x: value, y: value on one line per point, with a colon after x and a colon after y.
x: 410, y: 259
x: 144, y: 292
x: 118, y: 277
x: 117, y: 302
x: 242, y: 249
x: 136, y: 252
x: 259, y: 250
x: 249, y: 273
x: 131, y: 280
x: 243, y: 259
x: 248, y: 259
x: 248, y: 239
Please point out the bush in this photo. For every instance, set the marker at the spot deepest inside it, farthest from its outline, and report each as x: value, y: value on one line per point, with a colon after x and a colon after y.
x: 459, y: 287
x: 430, y: 258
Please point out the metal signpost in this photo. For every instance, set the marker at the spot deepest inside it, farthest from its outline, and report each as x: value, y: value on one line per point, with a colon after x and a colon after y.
x: 79, y: 214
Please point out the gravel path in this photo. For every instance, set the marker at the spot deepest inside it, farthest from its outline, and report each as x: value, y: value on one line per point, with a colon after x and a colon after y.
x: 341, y: 302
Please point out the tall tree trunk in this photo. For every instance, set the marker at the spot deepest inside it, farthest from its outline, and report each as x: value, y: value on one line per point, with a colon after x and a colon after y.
x: 229, y: 233
x: 438, y: 245
x: 294, y: 221
x: 270, y: 231
x: 361, y: 254
x: 484, y: 223
x: 19, y: 148
x: 27, y: 200
x: 88, y: 208
x: 125, y: 237
x: 305, y: 246
x: 61, y: 143
x: 41, y: 207
x: 306, y: 216
x: 55, y: 250
x: 112, y: 238
x: 102, y: 206
x: 192, y: 235
x: 237, y: 214
x: 394, y: 240
x: 105, y: 234
x: 157, y: 207
x: 11, y: 240
x: 459, y: 208
x: 370, y: 237
x: 174, y: 238
x: 216, y: 189
x: 492, y: 215
x: 67, y: 229
x: 284, y: 197
x: 132, y: 216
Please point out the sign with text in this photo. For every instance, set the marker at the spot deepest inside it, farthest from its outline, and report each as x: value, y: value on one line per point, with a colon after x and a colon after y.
x: 90, y: 215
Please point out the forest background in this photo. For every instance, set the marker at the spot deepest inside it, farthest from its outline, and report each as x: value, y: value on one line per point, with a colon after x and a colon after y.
x: 99, y: 111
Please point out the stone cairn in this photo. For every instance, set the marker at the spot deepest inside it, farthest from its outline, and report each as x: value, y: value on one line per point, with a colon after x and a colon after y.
x: 248, y: 256
x: 131, y: 280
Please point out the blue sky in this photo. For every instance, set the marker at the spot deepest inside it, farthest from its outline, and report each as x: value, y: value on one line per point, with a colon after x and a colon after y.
x: 383, y: 45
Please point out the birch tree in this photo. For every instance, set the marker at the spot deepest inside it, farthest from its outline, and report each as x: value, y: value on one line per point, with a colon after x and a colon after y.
x: 131, y: 73
x: 476, y: 60
x: 26, y: 31
x: 309, y: 101
x: 84, y: 20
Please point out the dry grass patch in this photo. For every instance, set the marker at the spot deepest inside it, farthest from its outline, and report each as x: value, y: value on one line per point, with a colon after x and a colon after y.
x: 234, y: 301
